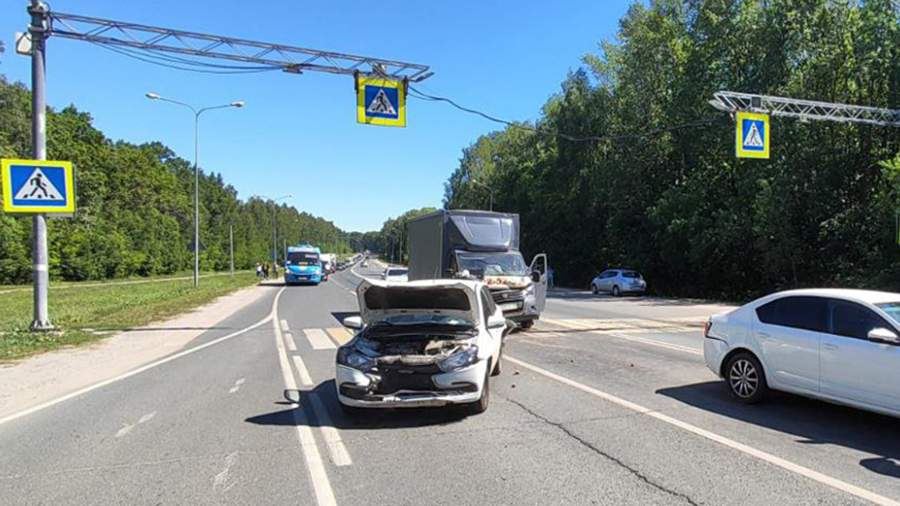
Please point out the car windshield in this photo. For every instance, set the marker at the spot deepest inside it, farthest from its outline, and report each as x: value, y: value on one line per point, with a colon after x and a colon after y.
x: 301, y: 258
x: 496, y: 264
x: 892, y: 309
x: 397, y: 272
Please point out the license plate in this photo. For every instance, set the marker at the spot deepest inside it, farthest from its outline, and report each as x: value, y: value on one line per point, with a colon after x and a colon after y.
x: 510, y: 306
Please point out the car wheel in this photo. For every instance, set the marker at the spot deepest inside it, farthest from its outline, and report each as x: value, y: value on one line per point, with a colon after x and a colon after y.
x: 481, y: 405
x: 497, y: 369
x: 615, y: 291
x: 526, y: 324
x: 745, y: 378
x: 594, y: 289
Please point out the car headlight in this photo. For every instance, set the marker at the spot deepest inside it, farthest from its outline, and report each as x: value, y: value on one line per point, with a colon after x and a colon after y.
x: 460, y: 359
x: 352, y: 358
x: 529, y: 290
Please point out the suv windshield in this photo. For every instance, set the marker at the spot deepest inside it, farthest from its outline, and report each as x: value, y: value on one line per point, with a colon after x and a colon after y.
x: 892, y: 309
x: 301, y: 258
x: 492, y: 264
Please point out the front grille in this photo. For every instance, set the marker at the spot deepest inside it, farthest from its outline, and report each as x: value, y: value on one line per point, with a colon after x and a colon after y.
x: 402, y: 377
x: 500, y: 296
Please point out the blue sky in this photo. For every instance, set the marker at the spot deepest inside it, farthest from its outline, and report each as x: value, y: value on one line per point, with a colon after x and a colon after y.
x: 298, y: 133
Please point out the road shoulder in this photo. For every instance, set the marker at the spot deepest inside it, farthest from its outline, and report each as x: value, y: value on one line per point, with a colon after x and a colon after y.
x: 44, y: 377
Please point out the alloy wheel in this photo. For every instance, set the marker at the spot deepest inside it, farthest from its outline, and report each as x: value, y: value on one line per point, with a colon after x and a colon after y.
x: 743, y: 378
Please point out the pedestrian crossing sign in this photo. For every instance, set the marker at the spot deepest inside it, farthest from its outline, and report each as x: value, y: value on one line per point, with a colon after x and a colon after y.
x: 380, y: 101
x: 38, y: 186
x: 752, y: 135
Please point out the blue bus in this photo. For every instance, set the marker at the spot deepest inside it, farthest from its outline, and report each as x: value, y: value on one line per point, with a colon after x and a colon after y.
x: 303, y: 265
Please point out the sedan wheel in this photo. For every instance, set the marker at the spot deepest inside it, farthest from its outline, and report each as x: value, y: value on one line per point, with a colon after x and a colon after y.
x: 615, y: 290
x: 594, y: 289
x: 745, y: 377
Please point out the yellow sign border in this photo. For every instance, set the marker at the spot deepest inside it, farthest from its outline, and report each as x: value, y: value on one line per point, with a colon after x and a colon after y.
x: 739, y: 135
x: 8, y: 206
x: 361, y: 117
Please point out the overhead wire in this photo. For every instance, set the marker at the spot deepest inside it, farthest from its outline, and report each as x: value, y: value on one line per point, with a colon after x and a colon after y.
x: 553, y: 133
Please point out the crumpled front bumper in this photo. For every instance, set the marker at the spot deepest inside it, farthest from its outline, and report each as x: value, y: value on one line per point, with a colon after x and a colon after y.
x: 455, y: 387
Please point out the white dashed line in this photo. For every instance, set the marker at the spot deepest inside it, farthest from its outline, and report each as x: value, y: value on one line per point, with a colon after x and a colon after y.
x: 336, y: 448
x: 305, y: 379
x: 289, y: 340
x: 318, y: 339
x: 284, y: 326
x: 741, y: 447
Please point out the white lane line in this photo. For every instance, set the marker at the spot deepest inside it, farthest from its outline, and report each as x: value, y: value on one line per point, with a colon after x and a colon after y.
x: 237, y: 386
x: 221, y: 479
x: 741, y: 447
x: 289, y: 339
x: 305, y: 378
x: 129, y: 374
x: 318, y: 339
x: 128, y: 427
x: 284, y: 326
x: 315, y: 466
x: 636, y: 339
x: 332, y: 437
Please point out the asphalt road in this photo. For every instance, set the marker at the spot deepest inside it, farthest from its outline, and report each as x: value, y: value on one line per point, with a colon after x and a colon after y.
x: 605, y: 401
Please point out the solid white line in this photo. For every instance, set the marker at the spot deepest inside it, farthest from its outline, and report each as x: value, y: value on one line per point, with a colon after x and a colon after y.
x: 741, y: 447
x: 131, y: 373
x: 330, y: 434
x: 305, y: 379
x: 289, y: 339
x: 284, y: 326
x: 315, y: 466
x: 318, y: 339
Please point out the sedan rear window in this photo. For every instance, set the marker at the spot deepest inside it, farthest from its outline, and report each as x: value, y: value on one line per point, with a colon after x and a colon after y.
x: 397, y: 272
x: 631, y: 274
x: 809, y: 313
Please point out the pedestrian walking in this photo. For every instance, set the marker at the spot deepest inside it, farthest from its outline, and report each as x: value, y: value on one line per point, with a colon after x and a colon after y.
x: 259, y: 270
x: 266, y: 270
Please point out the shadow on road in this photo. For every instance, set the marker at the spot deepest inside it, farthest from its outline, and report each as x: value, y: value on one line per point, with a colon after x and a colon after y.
x: 367, y: 420
x: 813, y: 422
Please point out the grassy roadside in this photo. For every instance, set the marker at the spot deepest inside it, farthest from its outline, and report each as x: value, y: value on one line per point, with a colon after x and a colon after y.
x: 87, y: 314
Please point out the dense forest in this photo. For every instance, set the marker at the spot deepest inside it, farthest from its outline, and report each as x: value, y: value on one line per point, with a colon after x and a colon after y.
x: 676, y: 203
x: 391, y: 240
x: 135, y: 207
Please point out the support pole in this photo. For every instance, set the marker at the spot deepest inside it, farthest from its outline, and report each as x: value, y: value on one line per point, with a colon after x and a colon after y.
x: 231, y: 246
x: 197, y: 199
x: 39, y: 256
x: 274, y: 240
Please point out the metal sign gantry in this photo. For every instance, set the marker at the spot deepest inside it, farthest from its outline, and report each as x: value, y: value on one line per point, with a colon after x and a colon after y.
x: 732, y: 101
x: 289, y: 58
x: 154, y: 43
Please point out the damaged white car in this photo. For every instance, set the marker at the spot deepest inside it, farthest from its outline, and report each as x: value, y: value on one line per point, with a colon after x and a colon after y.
x: 423, y: 343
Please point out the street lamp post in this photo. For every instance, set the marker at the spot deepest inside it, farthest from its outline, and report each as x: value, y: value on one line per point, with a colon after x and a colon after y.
x: 488, y: 188
x: 197, y: 113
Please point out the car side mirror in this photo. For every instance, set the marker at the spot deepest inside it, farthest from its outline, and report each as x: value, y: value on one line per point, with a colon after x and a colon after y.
x: 496, y: 322
x: 536, y: 276
x: 883, y: 335
x: 353, y: 322
x: 292, y: 396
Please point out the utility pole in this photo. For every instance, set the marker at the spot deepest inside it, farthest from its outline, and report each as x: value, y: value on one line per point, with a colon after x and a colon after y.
x: 231, y: 247
x: 39, y: 256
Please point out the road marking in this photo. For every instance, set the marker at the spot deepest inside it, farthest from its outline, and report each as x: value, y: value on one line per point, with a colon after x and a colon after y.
x: 289, y: 339
x: 221, y: 479
x: 741, y: 447
x: 339, y: 334
x: 305, y: 379
x: 284, y: 326
x: 131, y: 373
x: 318, y: 339
x: 315, y: 466
x: 237, y: 386
x: 624, y: 337
x: 330, y: 434
x: 128, y: 427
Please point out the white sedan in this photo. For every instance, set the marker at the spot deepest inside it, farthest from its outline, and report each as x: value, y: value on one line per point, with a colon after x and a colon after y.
x: 838, y: 345
x: 423, y: 343
x: 399, y: 274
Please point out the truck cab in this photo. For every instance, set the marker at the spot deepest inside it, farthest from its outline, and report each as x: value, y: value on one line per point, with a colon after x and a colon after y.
x: 303, y: 265
x: 485, y: 246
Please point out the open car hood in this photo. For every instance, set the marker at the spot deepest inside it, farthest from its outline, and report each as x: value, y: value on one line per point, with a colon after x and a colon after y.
x: 391, y: 301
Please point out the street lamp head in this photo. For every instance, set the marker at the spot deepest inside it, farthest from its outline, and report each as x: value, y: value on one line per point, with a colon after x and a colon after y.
x: 152, y: 96
x: 238, y: 104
